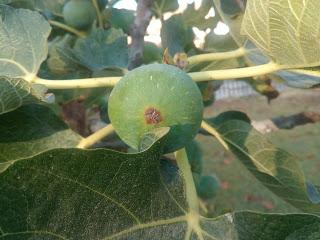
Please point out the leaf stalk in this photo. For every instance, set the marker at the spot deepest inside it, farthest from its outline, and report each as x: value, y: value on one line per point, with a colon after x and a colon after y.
x: 67, y: 28
x: 96, y: 137
x: 216, y: 75
x: 99, y: 16
x: 216, y: 56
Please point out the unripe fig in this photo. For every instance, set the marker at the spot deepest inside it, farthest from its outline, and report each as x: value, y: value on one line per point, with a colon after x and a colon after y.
x: 151, y: 53
x: 79, y: 14
x: 153, y: 96
x: 194, y: 153
x: 208, y: 187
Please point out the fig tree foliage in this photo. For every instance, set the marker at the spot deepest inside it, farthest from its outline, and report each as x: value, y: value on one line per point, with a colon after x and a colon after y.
x: 57, y: 54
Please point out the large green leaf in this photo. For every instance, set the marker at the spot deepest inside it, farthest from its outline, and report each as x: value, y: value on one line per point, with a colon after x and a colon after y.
x: 15, y: 92
x: 23, y: 42
x: 102, y: 49
x: 162, y: 6
x: 232, y: 7
x: 48, y: 5
x: 219, y: 43
x: 23, y: 48
x: 252, y: 226
x: 277, y: 169
x: 197, y: 17
x: 30, y: 130
x: 176, y: 35
x: 233, y: 21
x: 121, y: 18
x: 287, y: 31
x: 54, y: 7
x: 102, y: 194
x: 62, y: 62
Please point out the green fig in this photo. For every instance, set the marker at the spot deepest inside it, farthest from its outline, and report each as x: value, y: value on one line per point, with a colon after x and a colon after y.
x: 153, y: 96
x: 79, y: 14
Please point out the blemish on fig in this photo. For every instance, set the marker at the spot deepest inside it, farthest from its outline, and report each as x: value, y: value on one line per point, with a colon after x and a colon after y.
x: 152, y: 116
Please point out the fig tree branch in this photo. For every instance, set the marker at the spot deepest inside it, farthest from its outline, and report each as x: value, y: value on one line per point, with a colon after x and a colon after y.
x: 138, y: 30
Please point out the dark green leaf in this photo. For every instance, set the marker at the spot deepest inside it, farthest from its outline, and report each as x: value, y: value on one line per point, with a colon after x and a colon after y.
x: 54, y: 7
x: 233, y: 7
x: 151, y: 53
x: 96, y: 194
x: 176, y: 35
x: 5, y: 1
x: 196, y: 17
x: 234, y: 22
x: 62, y: 62
x: 162, y: 6
x: 219, y: 43
x: 275, y: 168
x: 121, y: 18
x: 102, y: 49
x: 102, y: 194
x: 228, y: 116
x: 30, y: 130
x: 253, y: 226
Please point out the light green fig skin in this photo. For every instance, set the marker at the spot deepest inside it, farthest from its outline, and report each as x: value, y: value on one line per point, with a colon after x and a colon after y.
x: 165, y: 88
x: 79, y: 14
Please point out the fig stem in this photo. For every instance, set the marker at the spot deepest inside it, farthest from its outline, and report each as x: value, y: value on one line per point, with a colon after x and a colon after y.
x: 214, y: 133
x: 226, y: 74
x: 99, y: 16
x: 78, y: 83
x: 96, y: 137
x: 193, y: 216
x: 67, y: 28
x: 216, y: 56
x: 231, y: 74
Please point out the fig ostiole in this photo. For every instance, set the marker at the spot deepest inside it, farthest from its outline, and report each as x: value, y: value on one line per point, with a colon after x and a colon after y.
x: 153, y: 96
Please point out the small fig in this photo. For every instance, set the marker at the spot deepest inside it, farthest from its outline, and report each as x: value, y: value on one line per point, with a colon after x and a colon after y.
x: 208, y: 187
x: 195, y: 156
x: 79, y: 14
